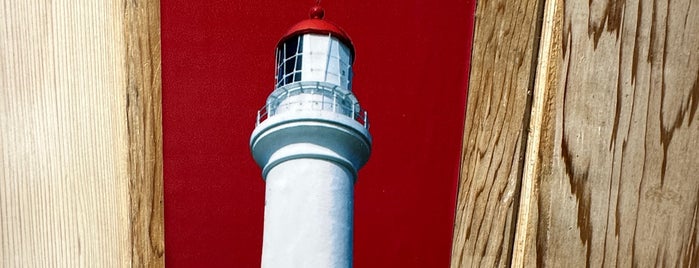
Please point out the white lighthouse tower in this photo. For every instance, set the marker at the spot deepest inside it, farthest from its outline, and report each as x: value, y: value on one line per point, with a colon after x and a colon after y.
x: 311, y: 138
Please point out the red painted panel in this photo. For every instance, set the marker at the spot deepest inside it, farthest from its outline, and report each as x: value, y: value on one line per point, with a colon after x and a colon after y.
x: 410, y: 74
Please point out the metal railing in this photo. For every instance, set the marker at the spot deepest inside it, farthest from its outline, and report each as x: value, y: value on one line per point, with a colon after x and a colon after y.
x: 317, y: 96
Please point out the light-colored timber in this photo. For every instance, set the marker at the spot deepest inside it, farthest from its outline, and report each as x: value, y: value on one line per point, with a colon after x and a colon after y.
x: 617, y: 178
x: 539, y: 128
x: 80, y: 134
x: 502, y: 63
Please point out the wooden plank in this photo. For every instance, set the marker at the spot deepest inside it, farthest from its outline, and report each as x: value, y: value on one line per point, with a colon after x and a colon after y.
x: 502, y: 62
x: 540, y: 127
x: 618, y: 171
x: 69, y: 195
x: 144, y: 116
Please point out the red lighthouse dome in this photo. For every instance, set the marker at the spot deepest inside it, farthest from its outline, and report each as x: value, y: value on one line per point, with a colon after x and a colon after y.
x: 317, y: 25
x: 315, y: 50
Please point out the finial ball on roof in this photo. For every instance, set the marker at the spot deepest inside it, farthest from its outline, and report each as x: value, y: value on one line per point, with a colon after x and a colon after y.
x: 317, y: 12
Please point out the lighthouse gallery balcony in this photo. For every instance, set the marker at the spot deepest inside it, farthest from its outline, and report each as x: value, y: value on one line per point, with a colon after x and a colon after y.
x: 306, y: 96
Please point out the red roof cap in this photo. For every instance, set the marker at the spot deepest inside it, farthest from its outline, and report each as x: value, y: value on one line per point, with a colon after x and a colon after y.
x: 316, y: 24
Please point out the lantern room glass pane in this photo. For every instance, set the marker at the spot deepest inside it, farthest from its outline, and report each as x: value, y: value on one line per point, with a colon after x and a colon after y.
x: 289, y: 61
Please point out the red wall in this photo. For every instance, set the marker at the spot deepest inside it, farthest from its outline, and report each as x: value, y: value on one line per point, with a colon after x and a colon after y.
x: 410, y: 74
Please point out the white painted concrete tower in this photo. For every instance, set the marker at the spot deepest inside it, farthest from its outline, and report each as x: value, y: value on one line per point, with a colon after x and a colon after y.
x: 311, y: 138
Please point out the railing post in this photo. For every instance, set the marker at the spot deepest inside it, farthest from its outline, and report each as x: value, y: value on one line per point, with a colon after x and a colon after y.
x: 334, y: 102
x: 366, y: 120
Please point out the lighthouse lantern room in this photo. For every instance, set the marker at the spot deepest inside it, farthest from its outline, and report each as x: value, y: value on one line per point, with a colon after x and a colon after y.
x: 314, y: 70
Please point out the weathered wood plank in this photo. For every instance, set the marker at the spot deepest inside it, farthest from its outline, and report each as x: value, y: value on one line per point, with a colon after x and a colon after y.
x: 540, y: 127
x: 502, y: 62
x: 70, y: 158
x: 618, y: 175
x: 144, y: 115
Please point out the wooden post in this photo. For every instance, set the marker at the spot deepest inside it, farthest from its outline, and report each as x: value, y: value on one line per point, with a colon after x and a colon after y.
x: 615, y: 178
x: 80, y: 136
x: 144, y: 117
x: 502, y: 64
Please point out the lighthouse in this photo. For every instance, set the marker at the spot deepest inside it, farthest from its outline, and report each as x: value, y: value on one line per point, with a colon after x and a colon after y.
x: 311, y: 138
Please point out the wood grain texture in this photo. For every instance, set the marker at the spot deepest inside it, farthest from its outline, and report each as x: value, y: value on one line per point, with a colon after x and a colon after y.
x: 502, y: 62
x: 144, y: 114
x: 540, y: 127
x: 69, y: 191
x: 618, y: 171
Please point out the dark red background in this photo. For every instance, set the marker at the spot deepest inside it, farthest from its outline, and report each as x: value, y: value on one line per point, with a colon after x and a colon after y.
x: 410, y: 74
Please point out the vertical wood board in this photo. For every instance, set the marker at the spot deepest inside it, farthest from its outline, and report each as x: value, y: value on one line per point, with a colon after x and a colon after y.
x: 617, y: 183
x: 540, y: 128
x: 144, y: 116
x: 502, y: 62
x: 69, y: 146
